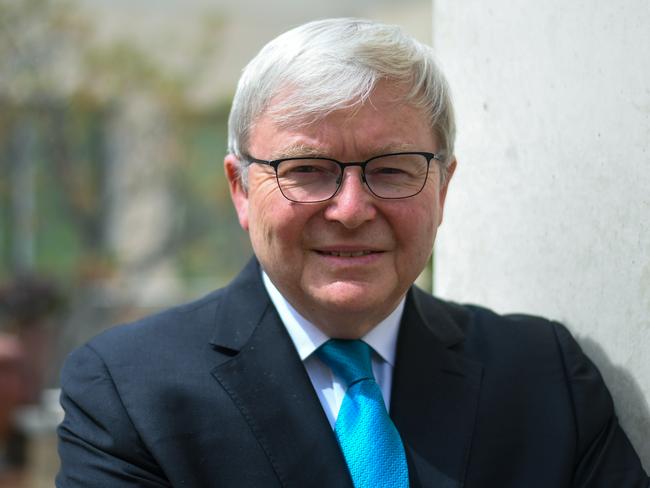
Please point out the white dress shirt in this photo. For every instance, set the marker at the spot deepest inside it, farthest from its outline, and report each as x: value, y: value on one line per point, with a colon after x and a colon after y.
x: 307, y: 338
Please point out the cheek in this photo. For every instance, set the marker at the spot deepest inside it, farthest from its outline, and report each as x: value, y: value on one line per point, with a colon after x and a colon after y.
x: 261, y: 211
x: 416, y: 222
x: 276, y: 228
x: 415, y: 229
x: 264, y: 232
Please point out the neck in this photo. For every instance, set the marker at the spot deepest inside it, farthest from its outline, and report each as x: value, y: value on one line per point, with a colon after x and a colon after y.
x: 334, y: 320
x: 338, y: 328
x: 340, y: 323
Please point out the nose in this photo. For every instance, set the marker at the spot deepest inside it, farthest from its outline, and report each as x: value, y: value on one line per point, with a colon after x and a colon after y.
x: 353, y: 204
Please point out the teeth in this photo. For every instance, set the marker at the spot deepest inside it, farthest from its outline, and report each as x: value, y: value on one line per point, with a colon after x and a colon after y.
x: 343, y: 254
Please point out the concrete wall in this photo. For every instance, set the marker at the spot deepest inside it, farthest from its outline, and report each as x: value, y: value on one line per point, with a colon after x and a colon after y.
x: 549, y: 211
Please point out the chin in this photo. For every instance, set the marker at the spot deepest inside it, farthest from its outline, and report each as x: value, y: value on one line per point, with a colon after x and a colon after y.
x: 353, y: 297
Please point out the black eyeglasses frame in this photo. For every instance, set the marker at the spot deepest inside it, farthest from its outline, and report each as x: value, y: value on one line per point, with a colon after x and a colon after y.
x: 342, y: 165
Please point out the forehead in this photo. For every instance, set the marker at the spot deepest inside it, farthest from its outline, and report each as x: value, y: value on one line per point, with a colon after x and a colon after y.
x: 384, y: 122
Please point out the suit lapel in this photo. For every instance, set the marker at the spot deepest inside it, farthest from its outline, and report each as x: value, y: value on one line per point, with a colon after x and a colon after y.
x: 267, y: 381
x: 435, y: 394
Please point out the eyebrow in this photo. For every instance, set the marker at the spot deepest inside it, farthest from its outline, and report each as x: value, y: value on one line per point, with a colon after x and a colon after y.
x: 298, y: 150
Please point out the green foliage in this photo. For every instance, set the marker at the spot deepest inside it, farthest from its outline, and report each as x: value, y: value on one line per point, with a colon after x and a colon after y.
x: 62, y: 84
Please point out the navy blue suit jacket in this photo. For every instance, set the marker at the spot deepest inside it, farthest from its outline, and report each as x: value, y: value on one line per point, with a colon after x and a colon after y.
x: 213, y: 394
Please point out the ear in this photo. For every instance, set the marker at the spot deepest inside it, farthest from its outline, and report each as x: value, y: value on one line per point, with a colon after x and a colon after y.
x: 442, y: 194
x: 238, y: 193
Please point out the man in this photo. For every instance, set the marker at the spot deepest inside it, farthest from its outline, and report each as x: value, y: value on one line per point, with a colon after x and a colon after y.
x: 341, y: 153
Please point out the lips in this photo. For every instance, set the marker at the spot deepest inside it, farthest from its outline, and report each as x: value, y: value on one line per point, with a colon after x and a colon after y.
x: 346, y: 254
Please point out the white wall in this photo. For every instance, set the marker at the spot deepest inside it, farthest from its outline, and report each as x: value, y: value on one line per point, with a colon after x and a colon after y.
x: 549, y: 211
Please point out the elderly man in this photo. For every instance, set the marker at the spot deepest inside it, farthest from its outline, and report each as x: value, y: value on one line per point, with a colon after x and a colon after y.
x: 321, y: 365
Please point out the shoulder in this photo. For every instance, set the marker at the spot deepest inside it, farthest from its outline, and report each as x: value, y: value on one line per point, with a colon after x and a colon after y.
x: 478, y: 324
x: 484, y: 328
x: 181, y: 334
x: 520, y: 342
x: 180, y: 324
x: 522, y: 352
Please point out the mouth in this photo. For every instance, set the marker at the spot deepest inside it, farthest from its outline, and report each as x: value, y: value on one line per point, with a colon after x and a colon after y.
x: 346, y: 254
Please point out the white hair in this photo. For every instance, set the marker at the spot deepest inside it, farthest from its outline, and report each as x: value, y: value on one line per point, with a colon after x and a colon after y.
x: 334, y: 64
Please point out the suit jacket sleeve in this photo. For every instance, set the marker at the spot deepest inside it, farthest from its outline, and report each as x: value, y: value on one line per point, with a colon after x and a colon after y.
x: 604, y: 454
x: 98, y: 444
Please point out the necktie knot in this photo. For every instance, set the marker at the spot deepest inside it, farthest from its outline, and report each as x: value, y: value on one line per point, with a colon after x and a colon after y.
x: 348, y: 359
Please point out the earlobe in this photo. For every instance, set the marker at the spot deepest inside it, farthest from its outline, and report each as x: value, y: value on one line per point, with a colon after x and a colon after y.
x: 238, y: 193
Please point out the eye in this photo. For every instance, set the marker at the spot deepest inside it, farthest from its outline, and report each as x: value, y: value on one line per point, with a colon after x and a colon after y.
x: 397, y: 166
x: 307, y: 168
x: 385, y: 170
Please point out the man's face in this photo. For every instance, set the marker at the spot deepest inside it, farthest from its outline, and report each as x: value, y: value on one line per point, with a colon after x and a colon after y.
x: 345, y: 263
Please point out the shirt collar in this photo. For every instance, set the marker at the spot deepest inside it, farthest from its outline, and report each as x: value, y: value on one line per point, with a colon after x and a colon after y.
x: 307, y: 337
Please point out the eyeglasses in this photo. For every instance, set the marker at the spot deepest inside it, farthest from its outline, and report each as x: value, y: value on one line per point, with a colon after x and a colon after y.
x: 313, y: 180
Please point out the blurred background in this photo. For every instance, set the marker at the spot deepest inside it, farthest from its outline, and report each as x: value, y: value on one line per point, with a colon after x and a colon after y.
x: 113, y: 202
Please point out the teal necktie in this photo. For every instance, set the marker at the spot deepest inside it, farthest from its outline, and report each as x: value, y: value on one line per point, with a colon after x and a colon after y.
x: 368, y: 438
